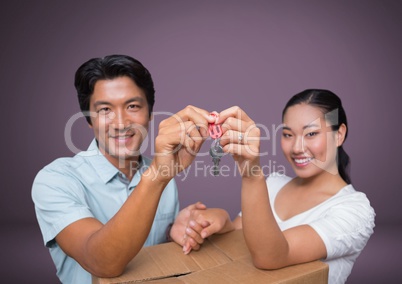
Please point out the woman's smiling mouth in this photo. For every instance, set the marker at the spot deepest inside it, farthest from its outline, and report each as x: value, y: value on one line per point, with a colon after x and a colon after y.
x: 302, y: 161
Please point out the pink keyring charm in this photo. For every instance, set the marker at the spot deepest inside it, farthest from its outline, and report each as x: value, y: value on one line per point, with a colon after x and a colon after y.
x: 215, y: 130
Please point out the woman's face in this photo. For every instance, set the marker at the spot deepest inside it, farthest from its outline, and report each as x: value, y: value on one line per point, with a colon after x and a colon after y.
x: 308, y: 142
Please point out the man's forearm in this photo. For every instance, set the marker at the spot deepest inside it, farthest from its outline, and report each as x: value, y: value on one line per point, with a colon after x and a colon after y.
x: 121, y: 238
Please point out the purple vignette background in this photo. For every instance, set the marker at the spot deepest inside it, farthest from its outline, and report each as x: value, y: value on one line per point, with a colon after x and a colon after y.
x: 211, y: 54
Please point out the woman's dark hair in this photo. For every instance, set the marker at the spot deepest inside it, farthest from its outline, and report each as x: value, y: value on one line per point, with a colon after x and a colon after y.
x: 331, y: 106
x: 107, y: 68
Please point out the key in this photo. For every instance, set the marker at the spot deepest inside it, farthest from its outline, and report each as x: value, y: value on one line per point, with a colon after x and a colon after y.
x: 216, y: 153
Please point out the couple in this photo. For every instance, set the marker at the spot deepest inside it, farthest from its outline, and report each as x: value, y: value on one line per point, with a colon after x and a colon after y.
x: 96, y: 211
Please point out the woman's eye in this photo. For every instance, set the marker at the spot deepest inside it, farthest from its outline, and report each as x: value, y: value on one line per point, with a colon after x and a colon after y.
x: 286, y: 135
x: 311, y: 134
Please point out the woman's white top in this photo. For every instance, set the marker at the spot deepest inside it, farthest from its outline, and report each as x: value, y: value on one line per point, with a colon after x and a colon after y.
x: 344, y: 222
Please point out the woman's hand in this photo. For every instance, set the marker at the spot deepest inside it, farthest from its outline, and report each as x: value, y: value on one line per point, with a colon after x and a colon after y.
x: 241, y: 138
x: 196, y: 222
x: 181, y: 228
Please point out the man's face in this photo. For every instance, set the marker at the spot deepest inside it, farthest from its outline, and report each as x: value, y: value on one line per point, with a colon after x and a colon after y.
x: 120, y: 118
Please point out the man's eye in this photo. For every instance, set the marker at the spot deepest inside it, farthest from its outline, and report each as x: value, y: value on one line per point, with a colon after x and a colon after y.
x: 104, y: 110
x: 133, y: 106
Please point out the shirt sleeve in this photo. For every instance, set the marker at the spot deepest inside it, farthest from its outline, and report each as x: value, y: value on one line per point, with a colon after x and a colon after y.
x: 59, y: 201
x: 166, y: 213
x: 346, y: 227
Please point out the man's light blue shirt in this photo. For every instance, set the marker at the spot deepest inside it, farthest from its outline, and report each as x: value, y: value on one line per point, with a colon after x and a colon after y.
x: 88, y: 185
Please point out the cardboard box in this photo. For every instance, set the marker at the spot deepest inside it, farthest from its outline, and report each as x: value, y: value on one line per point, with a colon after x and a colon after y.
x: 221, y: 259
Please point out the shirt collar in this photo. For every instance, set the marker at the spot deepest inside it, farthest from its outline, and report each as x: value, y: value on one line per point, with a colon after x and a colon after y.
x: 102, y: 166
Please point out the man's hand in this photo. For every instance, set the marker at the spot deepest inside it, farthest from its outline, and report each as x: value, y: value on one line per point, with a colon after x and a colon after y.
x: 179, y: 140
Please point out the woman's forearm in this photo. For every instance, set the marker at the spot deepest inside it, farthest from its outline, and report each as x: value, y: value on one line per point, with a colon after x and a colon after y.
x: 266, y: 242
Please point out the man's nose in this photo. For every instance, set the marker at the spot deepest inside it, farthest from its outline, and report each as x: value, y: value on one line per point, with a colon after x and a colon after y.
x: 119, y: 120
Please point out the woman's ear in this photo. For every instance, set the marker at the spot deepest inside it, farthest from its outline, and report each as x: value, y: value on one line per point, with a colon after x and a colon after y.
x: 341, y: 134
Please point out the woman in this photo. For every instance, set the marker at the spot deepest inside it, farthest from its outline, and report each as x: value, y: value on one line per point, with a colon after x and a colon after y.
x: 316, y: 215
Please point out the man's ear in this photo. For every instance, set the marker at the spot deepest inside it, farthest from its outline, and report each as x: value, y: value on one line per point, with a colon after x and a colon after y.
x: 341, y: 134
x: 88, y: 118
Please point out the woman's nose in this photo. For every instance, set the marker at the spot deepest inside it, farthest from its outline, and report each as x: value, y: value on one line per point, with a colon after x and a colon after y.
x: 298, y: 145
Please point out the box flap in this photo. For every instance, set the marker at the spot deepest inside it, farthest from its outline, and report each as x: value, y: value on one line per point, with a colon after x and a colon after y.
x: 167, y: 260
x: 222, y: 259
x: 233, y: 272
x: 242, y: 271
x: 232, y: 244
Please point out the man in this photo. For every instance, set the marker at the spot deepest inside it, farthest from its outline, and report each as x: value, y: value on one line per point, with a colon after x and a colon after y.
x: 97, y: 209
